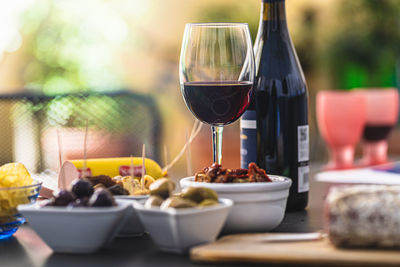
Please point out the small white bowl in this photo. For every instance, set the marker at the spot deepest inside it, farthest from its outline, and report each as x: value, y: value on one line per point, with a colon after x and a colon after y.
x: 258, y: 207
x: 177, y: 230
x: 132, y: 226
x: 75, y: 230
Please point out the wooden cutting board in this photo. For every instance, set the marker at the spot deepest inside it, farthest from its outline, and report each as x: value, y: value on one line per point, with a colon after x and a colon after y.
x: 251, y: 248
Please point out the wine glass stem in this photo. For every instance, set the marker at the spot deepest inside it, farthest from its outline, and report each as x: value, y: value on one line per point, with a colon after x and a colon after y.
x: 342, y: 157
x: 217, y: 143
x: 375, y: 152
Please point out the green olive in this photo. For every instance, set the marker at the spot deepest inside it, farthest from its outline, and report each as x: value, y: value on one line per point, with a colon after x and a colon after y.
x: 198, y: 194
x: 153, y: 201
x: 207, y: 202
x: 177, y: 194
x: 177, y: 203
x: 162, y: 187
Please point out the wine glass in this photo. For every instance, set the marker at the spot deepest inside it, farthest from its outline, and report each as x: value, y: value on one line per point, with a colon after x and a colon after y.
x: 382, y: 114
x: 216, y: 73
x: 341, y: 119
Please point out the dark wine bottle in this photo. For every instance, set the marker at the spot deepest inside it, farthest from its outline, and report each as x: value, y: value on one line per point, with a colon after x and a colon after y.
x: 274, y: 129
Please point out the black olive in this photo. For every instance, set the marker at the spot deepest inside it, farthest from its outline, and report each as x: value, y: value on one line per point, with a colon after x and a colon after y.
x: 82, y: 188
x: 63, y: 198
x: 80, y: 202
x: 118, y: 190
x: 102, y: 198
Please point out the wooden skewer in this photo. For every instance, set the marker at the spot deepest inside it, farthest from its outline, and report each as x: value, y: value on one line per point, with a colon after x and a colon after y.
x: 132, y: 173
x: 166, y: 159
x: 195, y: 130
x: 195, y: 125
x: 62, y: 170
x: 143, y: 165
x: 188, y: 154
x: 131, y: 170
x: 85, y: 150
x: 59, y: 148
x: 165, y: 155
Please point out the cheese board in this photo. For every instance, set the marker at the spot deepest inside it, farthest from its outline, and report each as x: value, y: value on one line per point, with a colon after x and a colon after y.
x: 256, y: 248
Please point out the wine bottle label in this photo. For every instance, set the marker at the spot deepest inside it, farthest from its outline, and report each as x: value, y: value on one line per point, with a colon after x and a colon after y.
x: 303, y: 143
x: 302, y: 156
x: 248, y: 124
x: 303, y: 185
x: 248, y: 138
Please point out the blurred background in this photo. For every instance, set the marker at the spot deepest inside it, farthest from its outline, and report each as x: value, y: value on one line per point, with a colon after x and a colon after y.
x: 72, y: 47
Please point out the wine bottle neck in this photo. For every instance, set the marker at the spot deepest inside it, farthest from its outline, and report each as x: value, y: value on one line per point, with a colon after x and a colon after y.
x: 273, y: 10
x: 273, y: 20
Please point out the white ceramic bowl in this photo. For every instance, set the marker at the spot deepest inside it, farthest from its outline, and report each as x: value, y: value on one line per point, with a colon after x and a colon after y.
x: 177, y: 230
x: 132, y: 226
x: 258, y: 207
x: 75, y: 230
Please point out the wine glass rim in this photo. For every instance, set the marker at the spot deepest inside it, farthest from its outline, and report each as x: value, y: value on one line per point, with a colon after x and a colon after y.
x: 218, y: 24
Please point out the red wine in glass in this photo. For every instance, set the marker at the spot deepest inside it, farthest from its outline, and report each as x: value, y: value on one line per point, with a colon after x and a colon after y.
x: 217, y: 103
x: 216, y: 74
x: 382, y: 114
x: 375, y: 133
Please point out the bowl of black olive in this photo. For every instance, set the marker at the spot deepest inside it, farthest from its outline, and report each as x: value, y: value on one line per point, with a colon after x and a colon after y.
x: 79, y: 220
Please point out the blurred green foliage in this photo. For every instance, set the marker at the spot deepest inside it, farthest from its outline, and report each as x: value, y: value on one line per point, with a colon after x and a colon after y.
x: 365, y: 50
x: 361, y: 52
x: 71, y: 45
x: 234, y: 12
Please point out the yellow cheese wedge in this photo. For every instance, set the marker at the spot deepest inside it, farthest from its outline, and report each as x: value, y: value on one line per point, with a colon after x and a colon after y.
x: 111, y: 166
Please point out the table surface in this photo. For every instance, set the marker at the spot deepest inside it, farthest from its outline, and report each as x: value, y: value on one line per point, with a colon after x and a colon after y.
x: 26, y: 248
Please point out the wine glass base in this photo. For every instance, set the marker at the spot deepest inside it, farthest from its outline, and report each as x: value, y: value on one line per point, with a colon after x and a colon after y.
x: 363, y: 163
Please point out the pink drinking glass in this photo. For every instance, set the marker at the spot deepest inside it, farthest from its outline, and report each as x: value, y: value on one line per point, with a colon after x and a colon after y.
x: 382, y: 114
x: 341, y: 118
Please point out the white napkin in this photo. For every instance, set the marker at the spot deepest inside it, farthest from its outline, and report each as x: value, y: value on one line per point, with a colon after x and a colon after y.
x: 370, y: 175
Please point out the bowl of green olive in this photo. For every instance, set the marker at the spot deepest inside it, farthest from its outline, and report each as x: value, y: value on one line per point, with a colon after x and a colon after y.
x: 178, y: 221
